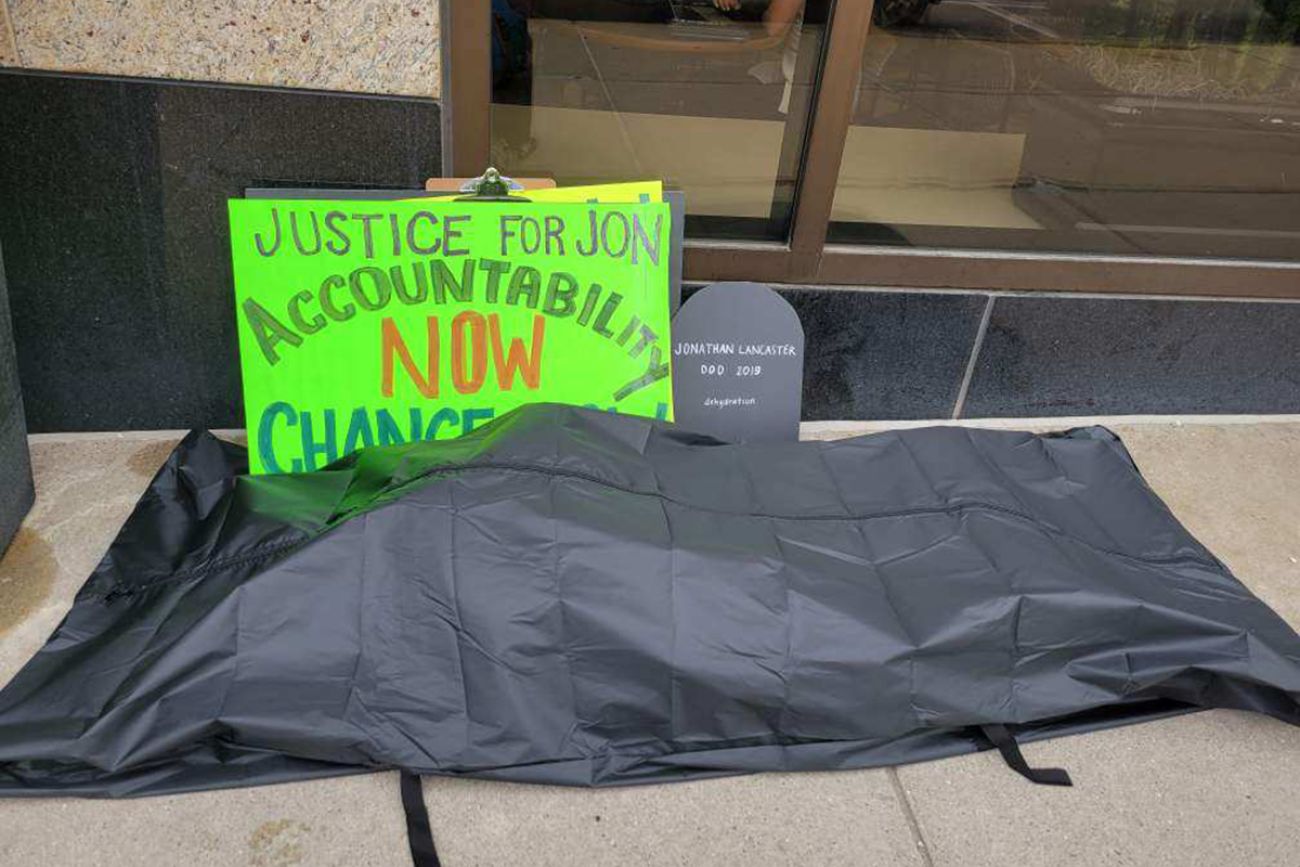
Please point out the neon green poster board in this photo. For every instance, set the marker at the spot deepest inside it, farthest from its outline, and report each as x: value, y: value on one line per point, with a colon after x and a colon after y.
x: 365, y: 323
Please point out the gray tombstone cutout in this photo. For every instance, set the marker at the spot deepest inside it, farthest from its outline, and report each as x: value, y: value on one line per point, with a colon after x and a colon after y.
x: 738, y: 364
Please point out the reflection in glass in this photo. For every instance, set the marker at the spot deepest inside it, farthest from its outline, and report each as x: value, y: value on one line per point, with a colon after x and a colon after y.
x: 712, y: 96
x: 1165, y: 127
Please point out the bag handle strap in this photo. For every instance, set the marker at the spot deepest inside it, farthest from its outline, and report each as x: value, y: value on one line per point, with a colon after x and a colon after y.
x: 1000, y: 737
x: 419, y: 836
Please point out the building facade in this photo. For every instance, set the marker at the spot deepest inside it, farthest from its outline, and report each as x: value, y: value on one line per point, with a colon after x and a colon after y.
x: 978, y: 209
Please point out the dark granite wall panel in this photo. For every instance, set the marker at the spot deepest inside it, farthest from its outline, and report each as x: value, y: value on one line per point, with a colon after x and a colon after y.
x: 15, y: 463
x: 884, y: 355
x: 1048, y: 355
x: 114, y: 227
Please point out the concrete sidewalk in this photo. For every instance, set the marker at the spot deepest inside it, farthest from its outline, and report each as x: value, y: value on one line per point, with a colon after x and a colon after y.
x: 1209, y: 788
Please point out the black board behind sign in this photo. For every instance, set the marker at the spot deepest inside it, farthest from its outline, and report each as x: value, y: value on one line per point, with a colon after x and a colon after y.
x: 738, y: 364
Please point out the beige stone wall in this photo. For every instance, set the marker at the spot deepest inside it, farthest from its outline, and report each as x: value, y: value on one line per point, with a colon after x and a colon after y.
x: 8, y: 46
x: 369, y: 46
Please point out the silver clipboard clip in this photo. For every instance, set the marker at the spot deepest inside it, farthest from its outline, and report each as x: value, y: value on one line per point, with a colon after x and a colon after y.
x: 491, y: 186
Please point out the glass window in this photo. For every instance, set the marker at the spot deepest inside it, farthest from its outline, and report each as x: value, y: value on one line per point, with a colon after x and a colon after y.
x: 712, y: 96
x: 1154, y: 127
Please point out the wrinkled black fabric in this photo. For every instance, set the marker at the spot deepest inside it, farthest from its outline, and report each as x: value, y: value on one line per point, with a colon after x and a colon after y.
x: 582, y: 598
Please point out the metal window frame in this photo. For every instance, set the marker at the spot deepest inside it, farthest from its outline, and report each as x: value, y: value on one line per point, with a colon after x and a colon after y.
x: 807, y: 257
x: 466, y: 52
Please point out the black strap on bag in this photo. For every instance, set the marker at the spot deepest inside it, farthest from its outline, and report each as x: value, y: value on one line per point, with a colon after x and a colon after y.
x: 1000, y: 737
x: 419, y: 836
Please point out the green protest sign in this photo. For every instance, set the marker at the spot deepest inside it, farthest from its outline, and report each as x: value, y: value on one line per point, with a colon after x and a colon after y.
x: 365, y: 323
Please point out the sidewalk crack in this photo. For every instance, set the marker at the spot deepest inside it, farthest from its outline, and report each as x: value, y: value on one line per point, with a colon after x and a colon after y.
x: 910, y: 816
